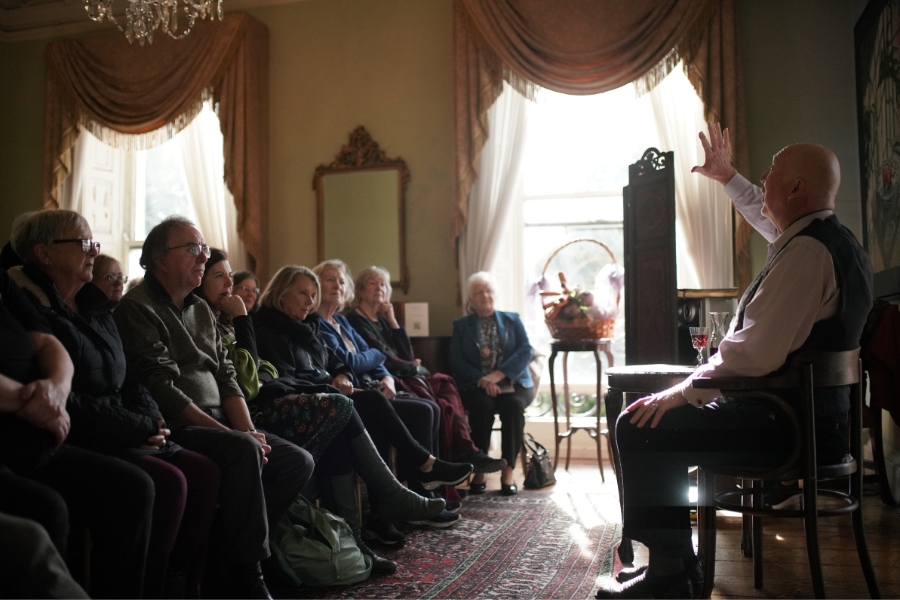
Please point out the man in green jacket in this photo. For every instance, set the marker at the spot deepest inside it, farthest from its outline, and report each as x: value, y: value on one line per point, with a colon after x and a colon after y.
x: 173, y: 347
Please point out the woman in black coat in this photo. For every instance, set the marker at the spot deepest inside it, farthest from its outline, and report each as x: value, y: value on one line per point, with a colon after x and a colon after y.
x: 287, y: 332
x: 109, y: 415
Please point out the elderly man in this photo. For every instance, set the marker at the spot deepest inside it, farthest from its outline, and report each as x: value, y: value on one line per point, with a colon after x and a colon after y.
x: 814, y: 293
x: 173, y: 347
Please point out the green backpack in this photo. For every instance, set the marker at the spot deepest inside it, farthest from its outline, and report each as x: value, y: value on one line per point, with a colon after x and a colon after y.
x: 317, y: 549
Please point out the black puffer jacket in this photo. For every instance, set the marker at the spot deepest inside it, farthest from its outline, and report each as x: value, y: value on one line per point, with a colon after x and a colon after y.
x: 296, y: 348
x: 108, y: 412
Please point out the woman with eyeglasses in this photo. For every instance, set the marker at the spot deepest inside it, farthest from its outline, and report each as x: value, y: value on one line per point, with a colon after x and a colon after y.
x: 109, y: 416
x: 246, y: 287
x: 108, y: 276
x: 310, y: 415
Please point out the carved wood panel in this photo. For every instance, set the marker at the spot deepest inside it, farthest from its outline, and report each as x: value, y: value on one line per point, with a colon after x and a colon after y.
x: 651, y: 321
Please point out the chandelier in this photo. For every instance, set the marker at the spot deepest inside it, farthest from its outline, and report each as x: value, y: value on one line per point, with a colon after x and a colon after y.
x: 146, y: 16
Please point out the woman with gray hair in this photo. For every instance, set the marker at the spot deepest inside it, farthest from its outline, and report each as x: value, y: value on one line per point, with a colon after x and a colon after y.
x: 109, y: 416
x: 489, y: 355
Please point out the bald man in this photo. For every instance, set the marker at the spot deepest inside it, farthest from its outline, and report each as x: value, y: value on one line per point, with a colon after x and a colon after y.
x: 813, y: 294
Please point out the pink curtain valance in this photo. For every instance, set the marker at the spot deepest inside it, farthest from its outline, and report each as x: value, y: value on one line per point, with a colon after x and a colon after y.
x: 135, y: 97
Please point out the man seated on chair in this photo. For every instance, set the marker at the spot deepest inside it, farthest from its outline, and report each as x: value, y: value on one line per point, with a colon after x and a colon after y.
x: 813, y: 294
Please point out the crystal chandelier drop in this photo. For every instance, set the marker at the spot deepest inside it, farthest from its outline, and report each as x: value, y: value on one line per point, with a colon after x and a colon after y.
x: 146, y: 16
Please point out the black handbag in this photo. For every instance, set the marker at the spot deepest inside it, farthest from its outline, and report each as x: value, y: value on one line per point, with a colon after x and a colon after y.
x: 540, y: 471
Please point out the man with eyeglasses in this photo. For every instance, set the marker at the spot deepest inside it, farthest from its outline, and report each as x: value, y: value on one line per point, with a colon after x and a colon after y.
x: 173, y: 347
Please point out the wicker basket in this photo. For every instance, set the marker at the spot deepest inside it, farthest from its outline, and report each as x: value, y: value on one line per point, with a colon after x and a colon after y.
x: 584, y: 327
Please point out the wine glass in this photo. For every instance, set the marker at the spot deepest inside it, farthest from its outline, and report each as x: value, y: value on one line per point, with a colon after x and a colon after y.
x: 699, y: 338
x: 719, y: 322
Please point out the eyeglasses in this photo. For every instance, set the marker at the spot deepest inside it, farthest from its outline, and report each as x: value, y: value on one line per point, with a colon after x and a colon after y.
x: 113, y: 278
x: 194, y: 248
x: 86, y: 245
x: 247, y: 288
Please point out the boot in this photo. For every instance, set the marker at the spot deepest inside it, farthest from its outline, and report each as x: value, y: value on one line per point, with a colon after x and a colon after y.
x: 339, y: 496
x: 395, y: 502
x: 246, y: 581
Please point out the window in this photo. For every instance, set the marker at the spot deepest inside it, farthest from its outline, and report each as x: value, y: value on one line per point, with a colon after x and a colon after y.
x: 125, y: 194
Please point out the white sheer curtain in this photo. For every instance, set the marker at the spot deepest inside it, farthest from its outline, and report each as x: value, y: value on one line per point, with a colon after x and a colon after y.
x: 495, y: 191
x: 202, y: 153
x: 703, y: 226
x: 72, y: 192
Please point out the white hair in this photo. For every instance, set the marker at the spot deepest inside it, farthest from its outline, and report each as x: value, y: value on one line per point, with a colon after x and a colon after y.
x: 480, y: 278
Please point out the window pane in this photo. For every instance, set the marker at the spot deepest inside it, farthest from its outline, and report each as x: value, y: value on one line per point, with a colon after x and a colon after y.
x: 166, y: 191
x: 592, y: 209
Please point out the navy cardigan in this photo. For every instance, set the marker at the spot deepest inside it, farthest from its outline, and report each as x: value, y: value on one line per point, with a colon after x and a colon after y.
x: 465, y: 350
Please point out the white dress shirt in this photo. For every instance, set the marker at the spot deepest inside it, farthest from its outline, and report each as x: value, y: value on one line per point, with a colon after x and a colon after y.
x: 799, y: 290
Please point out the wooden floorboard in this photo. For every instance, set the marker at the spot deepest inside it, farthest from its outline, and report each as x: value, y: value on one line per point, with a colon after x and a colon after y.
x: 785, y: 572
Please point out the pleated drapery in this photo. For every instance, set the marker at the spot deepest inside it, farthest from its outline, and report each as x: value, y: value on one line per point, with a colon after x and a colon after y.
x: 587, y: 47
x: 136, y: 97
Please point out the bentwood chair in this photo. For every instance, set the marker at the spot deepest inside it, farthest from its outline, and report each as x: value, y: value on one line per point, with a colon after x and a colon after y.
x: 808, y: 371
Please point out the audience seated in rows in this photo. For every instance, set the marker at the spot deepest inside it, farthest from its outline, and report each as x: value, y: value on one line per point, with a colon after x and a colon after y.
x: 311, y: 415
x: 107, y: 415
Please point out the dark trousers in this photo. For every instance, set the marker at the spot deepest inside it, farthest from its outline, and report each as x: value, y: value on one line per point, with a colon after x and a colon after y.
x: 655, y: 462
x: 26, y: 498
x: 32, y: 567
x: 417, y: 414
x: 337, y: 459
x: 387, y: 429
x: 511, y: 408
x: 252, y: 498
x: 114, y: 500
x: 187, y: 488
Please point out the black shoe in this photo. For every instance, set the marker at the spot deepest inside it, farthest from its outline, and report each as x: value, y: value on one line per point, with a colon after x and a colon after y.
x: 484, y: 463
x: 691, y: 566
x: 453, y: 506
x: 246, y: 581
x: 383, y: 532
x: 380, y: 566
x: 477, y: 488
x: 508, y: 490
x: 442, y: 521
x: 651, y: 586
x: 444, y: 473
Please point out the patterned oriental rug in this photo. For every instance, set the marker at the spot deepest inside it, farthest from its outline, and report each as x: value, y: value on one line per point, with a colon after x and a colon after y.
x: 538, y: 544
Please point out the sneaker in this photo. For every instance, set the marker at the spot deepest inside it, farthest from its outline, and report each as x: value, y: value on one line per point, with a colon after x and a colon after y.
x: 444, y: 473
x: 383, y: 532
x: 484, y: 463
x: 442, y: 521
x: 453, y: 507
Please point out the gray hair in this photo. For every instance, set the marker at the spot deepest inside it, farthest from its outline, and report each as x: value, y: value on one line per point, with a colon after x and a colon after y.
x: 101, y: 263
x: 42, y: 227
x: 282, y: 281
x: 479, y: 278
x: 344, y: 271
x: 364, y: 276
x: 157, y: 242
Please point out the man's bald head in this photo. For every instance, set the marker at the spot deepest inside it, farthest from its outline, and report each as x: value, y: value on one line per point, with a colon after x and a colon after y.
x: 803, y: 179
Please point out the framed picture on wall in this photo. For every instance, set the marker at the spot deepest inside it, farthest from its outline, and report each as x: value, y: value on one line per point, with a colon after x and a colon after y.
x: 877, y: 43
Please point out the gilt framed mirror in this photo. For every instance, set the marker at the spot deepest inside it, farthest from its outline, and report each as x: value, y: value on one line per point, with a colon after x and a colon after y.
x: 361, y: 208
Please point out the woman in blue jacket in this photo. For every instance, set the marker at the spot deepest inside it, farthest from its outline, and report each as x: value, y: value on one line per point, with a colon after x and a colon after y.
x: 489, y: 356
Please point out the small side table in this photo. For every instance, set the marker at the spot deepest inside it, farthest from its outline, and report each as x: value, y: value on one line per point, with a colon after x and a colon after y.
x: 638, y: 379
x: 594, y: 430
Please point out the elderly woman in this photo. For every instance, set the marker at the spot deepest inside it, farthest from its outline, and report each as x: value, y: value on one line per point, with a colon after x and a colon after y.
x: 246, y: 287
x: 369, y: 372
x: 288, y: 335
x: 108, y: 416
x: 489, y: 355
x: 325, y: 424
x: 373, y: 318
x: 108, y: 276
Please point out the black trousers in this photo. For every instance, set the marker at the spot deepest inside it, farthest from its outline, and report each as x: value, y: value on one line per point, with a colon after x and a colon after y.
x: 26, y: 498
x: 383, y: 422
x: 114, y: 500
x: 511, y: 408
x: 655, y: 462
x: 252, y: 497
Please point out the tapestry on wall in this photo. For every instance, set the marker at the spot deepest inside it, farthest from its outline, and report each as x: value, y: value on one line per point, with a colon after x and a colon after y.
x: 877, y: 41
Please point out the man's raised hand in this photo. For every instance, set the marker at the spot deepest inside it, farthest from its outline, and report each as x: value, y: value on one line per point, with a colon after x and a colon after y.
x: 718, y: 158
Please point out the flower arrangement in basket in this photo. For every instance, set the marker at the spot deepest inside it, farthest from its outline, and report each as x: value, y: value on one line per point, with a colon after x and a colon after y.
x: 576, y: 314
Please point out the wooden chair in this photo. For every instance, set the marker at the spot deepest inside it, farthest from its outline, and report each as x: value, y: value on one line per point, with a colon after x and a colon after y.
x: 808, y: 370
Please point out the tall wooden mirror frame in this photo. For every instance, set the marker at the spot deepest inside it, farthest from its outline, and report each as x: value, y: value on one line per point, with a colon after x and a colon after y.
x: 362, y: 154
